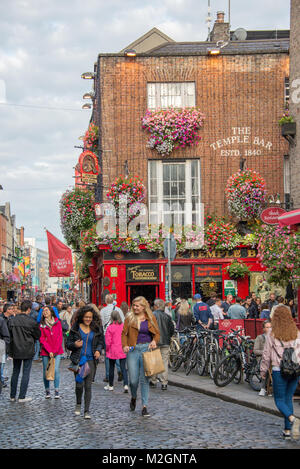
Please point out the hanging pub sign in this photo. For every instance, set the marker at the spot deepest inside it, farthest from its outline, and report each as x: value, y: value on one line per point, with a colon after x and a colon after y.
x: 205, y: 270
x: 270, y: 215
x: 142, y: 273
x: 88, y: 167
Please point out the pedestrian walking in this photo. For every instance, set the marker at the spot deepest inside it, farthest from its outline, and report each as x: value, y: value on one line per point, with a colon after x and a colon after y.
x: 7, y: 312
x: 4, y: 341
x: 24, y: 331
x: 166, y: 330
x: 85, y: 341
x: 105, y: 314
x: 258, y: 349
x: 51, y: 347
x: 114, y: 350
x: 284, y: 334
x: 183, y: 318
x: 66, y: 315
x: 140, y: 331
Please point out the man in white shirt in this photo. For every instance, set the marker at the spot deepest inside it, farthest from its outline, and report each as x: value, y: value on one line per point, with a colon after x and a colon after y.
x: 217, y: 311
x: 105, y: 315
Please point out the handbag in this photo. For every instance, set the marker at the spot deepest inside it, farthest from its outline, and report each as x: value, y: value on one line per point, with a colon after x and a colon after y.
x: 50, y: 370
x: 84, y: 368
x: 64, y: 326
x: 153, y: 362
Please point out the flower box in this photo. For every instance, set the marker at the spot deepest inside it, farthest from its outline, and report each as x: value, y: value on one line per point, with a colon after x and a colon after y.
x: 289, y: 128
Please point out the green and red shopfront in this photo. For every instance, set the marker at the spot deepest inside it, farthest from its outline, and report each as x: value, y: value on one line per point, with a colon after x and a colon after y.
x: 126, y: 275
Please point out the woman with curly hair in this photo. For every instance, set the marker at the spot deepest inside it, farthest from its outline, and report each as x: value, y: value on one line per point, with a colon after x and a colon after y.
x: 140, y: 332
x: 86, y: 341
x: 284, y: 334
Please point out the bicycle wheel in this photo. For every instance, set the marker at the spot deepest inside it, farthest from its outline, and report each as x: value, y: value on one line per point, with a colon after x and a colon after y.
x: 177, y: 362
x: 174, y: 350
x: 200, y: 360
x: 191, y: 362
x: 213, y: 360
x: 255, y: 379
x: 226, y: 370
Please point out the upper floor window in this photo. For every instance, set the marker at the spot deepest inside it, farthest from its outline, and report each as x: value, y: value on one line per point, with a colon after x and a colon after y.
x: 165, y: 95
x: 286, y: 90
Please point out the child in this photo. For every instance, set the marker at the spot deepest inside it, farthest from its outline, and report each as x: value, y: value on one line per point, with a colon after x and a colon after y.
x: 114, y: 350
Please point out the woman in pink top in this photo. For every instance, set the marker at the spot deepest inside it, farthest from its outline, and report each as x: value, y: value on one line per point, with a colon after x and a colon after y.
x: 114, y: 350
x: 284, y: 334
x: 51, y: 346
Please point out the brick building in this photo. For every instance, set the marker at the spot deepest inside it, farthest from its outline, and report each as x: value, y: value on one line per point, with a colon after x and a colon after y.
x: 241, y: 91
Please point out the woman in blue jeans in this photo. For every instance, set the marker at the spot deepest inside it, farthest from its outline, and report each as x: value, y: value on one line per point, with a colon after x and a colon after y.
x: 140, y: 333
x: 284, y: 334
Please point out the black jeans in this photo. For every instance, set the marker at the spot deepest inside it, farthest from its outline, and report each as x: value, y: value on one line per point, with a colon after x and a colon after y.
x: 112, y: 371
x: 86, y: 385
x: 25, y: 377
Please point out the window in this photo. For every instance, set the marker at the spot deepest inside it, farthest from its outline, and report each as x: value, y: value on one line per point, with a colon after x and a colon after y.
x: 174, y: 192
x: 164, y: 95
x: 286, y: 91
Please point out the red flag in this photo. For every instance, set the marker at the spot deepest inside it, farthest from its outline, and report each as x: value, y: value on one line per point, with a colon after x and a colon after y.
x: 60, y: 257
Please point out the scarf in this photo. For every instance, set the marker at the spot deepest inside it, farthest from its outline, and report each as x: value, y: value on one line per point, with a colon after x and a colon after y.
x: 50, y: 322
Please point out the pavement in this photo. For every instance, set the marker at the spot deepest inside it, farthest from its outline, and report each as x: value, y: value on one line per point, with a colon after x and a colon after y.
x: 241, y: 393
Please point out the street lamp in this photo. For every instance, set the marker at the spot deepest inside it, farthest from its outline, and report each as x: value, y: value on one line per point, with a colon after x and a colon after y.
x: 130, y: 53
x: 90, y: 95
x: 88, y: 75
x: 87, y: 106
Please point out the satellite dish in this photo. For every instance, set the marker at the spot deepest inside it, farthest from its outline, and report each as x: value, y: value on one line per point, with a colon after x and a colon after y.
x: 239, y: 34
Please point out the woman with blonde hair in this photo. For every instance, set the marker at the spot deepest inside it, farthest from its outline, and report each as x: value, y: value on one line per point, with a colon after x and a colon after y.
x: 184, y: 318
x: 284, y: 335
x: 140, y: 333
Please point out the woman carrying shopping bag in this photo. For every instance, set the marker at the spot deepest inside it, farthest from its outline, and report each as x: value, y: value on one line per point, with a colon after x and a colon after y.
x: 140, y: 333
x: 284, y: 335
x: 86, y: 341
x: 51, y: 348
x: 114, y: 350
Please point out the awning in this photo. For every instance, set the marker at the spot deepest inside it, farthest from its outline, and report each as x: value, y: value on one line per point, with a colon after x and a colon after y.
x: 289, y: 218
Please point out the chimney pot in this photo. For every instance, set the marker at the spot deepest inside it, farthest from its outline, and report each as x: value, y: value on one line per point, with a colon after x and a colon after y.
x: 220, y: 17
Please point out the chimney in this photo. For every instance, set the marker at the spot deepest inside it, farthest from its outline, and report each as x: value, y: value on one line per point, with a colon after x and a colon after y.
x: 220, y: 30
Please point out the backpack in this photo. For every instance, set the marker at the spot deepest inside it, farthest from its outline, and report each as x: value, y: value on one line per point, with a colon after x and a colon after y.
x: 289, y: 364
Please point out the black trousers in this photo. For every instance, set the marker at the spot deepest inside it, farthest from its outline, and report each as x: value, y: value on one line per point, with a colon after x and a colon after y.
x: 86, y: 386
x: 112, y: 371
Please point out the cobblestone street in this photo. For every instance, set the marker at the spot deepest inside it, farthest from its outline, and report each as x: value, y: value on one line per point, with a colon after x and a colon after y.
x: 179, y: 419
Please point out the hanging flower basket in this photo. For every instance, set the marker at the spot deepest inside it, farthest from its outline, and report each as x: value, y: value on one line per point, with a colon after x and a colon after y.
x: 91, y: 137
x: 237, y: 270
x: 172, y: 128
x: 246, y: 194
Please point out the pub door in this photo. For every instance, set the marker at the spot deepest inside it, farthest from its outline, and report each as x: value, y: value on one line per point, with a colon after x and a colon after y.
x: 150, y: 292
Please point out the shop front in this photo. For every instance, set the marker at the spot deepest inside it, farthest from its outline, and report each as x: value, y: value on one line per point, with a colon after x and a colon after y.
x: 128, y: 275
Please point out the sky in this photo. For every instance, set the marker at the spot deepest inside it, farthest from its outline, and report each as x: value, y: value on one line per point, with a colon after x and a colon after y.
x: 45, y: 46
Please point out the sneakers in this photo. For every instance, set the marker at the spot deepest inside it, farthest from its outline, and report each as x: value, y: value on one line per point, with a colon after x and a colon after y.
x: 77, y: 409
x: 12, y: 399
x: 286, y: 436
x: 56, y: 396
x: 145, y: 412
x: 87, y: 415
x: 48, y: 396
x: 295, y: 428
x: 262, y: 392
x: 164, y: 387
x: 26, y: 399
x: 132, y: 403
x: 125, y: 388
x: 108, y: 388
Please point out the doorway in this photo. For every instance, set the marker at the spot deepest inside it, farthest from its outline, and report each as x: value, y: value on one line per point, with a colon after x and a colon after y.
x: 150, y: 292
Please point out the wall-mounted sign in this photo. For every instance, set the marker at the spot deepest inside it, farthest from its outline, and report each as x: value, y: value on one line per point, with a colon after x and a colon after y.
x: 230, y: 287
x: 142, y: 273
x: 114, y: 271
x: 88, y: 167
x: 270, y: 215
x: 181, y: 273
x: 243, y: 253
x: 254, y: 145
x: 205, y: 270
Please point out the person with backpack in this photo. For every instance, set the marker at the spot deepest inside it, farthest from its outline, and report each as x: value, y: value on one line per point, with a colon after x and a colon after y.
x: 51, y: 347
x: 105, y: 315
x: 282, y: 351
x: 24, y: 331
x: 114, y: 350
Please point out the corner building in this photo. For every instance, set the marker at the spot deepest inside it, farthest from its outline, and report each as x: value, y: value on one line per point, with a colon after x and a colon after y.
x: 242, y: 93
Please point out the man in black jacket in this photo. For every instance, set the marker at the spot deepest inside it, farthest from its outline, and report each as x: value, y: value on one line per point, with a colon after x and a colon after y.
x: 166, y: 328
x: 24, y: 331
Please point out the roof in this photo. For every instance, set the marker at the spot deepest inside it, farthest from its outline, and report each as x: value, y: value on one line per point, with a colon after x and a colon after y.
x: 152, y: 38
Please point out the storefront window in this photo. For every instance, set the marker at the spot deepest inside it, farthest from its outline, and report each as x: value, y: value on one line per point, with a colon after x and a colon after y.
x: 208, y: 279
x: 181, y: 282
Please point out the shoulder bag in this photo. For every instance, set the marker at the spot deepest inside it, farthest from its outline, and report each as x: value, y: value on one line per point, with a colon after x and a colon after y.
x: 153, y: 362
x: 289, y: 364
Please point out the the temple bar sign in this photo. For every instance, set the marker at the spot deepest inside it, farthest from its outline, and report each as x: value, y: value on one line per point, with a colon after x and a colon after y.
x: 142, y: 273
x: 241, y: 136
x: 243, y: 253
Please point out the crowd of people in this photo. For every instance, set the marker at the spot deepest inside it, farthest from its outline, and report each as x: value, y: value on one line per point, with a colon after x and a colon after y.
x: 49, y: 330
